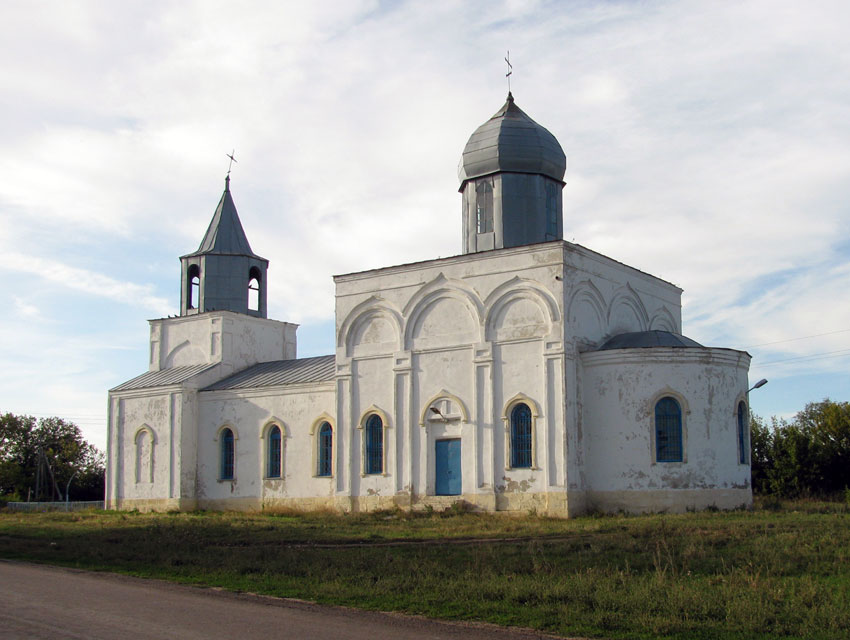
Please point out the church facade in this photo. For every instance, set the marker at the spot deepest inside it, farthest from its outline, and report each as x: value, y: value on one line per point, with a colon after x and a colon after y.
x: 526, y: 374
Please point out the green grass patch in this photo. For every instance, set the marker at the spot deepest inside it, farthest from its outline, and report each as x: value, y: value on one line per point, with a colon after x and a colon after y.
x: 778, y: 571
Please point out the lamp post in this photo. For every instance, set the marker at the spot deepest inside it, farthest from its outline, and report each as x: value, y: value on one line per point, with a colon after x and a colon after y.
x: 758, y: 385
x: 67, y: 489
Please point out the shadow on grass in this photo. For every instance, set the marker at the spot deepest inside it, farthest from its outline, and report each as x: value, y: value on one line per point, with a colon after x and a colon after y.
x: 740, y: 574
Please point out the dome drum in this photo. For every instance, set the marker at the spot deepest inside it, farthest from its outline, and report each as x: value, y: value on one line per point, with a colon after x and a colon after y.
x: 511, y: 175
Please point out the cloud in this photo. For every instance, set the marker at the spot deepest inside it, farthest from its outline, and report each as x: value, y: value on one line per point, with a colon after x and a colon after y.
x: 25, y: 309
x: 84, y: 281
x: 706, y: 144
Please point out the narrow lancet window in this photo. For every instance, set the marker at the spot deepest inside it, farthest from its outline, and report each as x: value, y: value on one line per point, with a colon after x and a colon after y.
x: 521, y: 437
x: 325, y: 451
x: 668, y: 431
x: 484, y: 205
x: 254, y: 289
x: 274, y: 453
x: 194, y: 277
x: 227, y: 451
x: 374, y: 445
x: 742, y: 433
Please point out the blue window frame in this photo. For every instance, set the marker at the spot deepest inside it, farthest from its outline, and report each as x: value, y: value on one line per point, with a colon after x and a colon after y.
x: 484, y: 205
x: 668, y: 430
x: 274, y: 449
x: 742, y: 431
x: 374, y: 445
x: 227, y: 454
x: 324, y: 459
x: 521, y: 436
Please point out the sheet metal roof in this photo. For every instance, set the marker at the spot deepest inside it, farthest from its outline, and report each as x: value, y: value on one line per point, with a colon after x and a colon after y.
x: 280, y: 372
x: 648, y: 339
x: 163, y: 377
x: 225, y: 235
x: 511, y: 141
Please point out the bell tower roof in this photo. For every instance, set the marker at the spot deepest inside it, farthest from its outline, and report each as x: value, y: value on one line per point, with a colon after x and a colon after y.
x: 511, y: 142
x: 224, y: 274
x: 225, y: 235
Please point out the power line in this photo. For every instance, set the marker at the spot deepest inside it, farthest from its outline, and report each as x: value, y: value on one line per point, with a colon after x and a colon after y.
x: 817, y: 335
x: 814, y: 356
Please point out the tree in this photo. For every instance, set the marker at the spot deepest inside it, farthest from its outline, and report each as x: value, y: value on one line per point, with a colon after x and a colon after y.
x: 761, y: 443
x: 808, y: 456
x: 827, y: 426
x: 38, y: 458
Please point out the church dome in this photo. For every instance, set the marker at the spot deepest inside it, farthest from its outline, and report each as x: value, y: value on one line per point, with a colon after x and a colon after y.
x: 511, y: 142
x: 648, y: 339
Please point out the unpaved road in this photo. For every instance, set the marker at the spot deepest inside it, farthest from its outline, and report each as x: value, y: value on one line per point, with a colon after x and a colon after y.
x: 40, y: 602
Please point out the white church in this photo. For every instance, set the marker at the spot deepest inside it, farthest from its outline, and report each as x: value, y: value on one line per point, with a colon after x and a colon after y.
x: 527, y: 374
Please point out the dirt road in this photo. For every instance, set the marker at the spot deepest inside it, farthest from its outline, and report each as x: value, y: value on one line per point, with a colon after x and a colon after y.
x: 41, y: 602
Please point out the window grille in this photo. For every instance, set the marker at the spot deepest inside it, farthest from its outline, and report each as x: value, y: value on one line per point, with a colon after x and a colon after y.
x: 521, y: 436
x: 374, y: 445
x: 324, y: 458
x: 274, y: 453
x: 668, y: 431
x: 227, y: 455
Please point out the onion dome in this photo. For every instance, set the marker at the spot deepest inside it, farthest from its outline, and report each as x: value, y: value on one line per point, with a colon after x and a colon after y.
x: 511, y: 142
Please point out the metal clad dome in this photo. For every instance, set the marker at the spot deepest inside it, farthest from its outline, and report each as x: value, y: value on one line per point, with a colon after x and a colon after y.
x: 648, y: 339
x: 510, y: 141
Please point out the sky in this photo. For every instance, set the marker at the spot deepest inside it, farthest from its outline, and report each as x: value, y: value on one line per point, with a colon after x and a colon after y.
x: 707, y: 143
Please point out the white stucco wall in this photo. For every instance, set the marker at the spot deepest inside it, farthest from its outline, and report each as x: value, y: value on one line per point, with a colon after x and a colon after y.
x: 233, y: 339
x: 620, y: 389
x: 150, y: 454
x: 486, y: 329
x: 296, y: 410
x: 470, y: 336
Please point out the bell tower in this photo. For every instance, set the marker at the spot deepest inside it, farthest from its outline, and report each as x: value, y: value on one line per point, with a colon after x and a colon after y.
x: 224, y: 274
x: 511, y: 177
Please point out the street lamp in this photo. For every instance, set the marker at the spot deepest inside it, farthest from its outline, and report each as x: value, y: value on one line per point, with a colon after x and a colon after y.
x: 758, y: 385
x: 67, y: 489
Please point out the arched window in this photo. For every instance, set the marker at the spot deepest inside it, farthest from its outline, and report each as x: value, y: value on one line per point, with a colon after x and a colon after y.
x: 194, y: 282
x: 668, y: 430
x: 144, y: 456
x: 521, y: 436
x: 324, y: 457
x: 254, y: 289
x: 551, y: 209
x: 274, y: 451
x: 742, y: 433
x: 374, y: 445
x: 484, y: 205
x: 227, y: 451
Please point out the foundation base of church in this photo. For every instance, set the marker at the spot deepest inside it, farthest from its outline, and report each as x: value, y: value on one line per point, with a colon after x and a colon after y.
x: 153, y: 504
x: 554, y: 504
x: 668, y: 500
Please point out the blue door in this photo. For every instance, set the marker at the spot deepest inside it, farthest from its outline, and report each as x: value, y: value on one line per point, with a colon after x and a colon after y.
x: 448, y: 467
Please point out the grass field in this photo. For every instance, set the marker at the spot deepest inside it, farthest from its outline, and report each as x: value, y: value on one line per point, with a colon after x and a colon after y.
x: 778, y: 572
